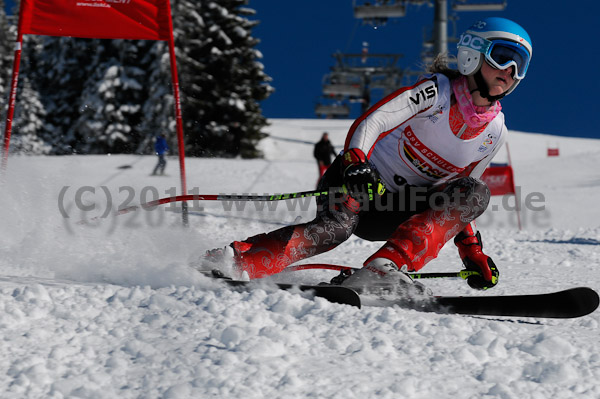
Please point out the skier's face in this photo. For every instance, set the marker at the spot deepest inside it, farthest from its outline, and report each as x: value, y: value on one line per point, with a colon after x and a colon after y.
x: 498, y: 80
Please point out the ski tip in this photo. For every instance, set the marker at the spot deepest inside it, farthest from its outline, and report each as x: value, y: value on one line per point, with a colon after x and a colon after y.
x: 566, y: 304
x: 590, y: 300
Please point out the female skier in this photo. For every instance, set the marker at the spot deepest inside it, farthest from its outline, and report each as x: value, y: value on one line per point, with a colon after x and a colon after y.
x: 410, y: 171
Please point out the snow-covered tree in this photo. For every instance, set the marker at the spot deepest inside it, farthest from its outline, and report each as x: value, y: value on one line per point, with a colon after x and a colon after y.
x: 221, y: 77
x: 29, y: 129
x: 5, y: 59
x: 92, y: 90
x: 101, y: 96
x: 110, y: 107
x: 58, y: 69
x: 158, y: 109
x: 29, y: 123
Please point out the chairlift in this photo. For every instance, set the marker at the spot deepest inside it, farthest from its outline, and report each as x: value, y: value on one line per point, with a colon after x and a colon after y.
x: 462, y: 5
x: 343, y: 85
x: 381, y: 9
x: 342, y: 89
x: 332, y: 110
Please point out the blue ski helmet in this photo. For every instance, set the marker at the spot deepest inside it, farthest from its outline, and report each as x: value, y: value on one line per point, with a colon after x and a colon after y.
x: 501, y: 42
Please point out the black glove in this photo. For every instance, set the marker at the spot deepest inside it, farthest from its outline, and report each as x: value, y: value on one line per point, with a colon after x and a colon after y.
x: 359, y: 178
x: 470, y: 250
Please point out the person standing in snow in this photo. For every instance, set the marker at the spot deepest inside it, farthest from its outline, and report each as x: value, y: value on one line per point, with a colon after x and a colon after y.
x: 411, y: 166
x: 160, y: 148
x: 322, y: 152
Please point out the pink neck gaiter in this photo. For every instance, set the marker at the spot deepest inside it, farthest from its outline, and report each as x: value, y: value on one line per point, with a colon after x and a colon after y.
x: 473, y: 115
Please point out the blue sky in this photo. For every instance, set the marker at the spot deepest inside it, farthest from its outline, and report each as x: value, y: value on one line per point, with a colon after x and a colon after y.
x: 558, y: 96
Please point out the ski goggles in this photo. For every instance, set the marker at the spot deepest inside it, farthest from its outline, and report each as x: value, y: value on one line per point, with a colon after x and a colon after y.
x: 502, y: 54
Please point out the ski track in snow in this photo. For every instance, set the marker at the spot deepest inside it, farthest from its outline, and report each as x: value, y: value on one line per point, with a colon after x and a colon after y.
x: 109, y: 308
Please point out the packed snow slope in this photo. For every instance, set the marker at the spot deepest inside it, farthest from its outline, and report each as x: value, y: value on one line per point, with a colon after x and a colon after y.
x: 97, y: 306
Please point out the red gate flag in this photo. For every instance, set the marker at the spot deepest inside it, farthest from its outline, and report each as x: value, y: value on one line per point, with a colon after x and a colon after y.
x: 499, y: 178
x: 553, y: 152
x: 101, y: 19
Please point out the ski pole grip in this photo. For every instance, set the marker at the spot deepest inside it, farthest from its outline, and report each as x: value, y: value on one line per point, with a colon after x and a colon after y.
x: 464, y: 274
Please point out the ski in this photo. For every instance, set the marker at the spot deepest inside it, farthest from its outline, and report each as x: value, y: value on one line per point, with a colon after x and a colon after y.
x: 332, y: 293
x: 570, y: 303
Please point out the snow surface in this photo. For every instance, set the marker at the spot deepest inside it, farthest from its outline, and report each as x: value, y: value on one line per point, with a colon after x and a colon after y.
x: 108, y: 308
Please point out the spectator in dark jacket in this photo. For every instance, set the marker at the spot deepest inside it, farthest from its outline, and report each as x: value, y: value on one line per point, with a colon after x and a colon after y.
x: 323, y: 152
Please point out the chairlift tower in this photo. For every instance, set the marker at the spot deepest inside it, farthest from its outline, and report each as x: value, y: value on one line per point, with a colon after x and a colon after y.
x: 440, y: 27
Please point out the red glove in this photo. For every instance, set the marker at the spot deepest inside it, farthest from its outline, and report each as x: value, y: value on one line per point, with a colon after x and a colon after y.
x: 470, y: 251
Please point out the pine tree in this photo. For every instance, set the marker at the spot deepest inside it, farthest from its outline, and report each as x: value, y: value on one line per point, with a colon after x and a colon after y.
x: 29, y: 122
x: 28, y: 126
x: 110, y: 107
x: 5, y: 60
x: 58, y: 69
x: 158, y: 109
x: 221, y: 78
x: 92, y: 90
x: 101, y: 96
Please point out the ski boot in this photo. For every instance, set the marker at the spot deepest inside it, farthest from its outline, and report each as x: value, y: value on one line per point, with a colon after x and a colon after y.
x: 381, y: 276
x: 221, y: 262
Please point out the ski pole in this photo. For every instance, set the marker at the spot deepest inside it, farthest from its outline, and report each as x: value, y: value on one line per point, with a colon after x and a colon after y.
x: 252, y: 197
x: 226, y: 197
x: 325, y: 266
x: 379, y: 189
x: 243, y: 197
